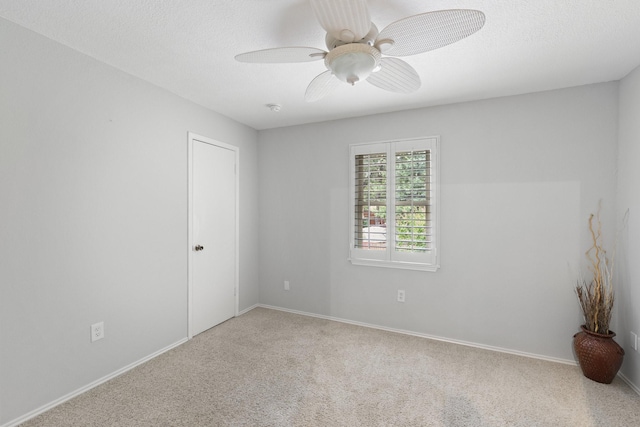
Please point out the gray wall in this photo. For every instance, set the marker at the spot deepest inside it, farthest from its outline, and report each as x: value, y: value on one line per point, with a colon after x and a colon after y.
x: 628, y: 297
x: 93, y: 194
x: 519, y: 176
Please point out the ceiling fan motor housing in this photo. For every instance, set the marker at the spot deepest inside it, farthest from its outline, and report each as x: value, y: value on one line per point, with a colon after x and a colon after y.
x: 352, y: 62
x: 369, y: 38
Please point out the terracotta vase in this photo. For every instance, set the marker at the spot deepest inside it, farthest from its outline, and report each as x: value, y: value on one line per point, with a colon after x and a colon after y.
x: 600, y: 357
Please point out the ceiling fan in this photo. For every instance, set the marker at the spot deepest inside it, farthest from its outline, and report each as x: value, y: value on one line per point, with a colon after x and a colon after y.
x: 356, y: 46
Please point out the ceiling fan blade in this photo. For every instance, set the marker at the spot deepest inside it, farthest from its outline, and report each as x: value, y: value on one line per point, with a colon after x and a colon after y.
x: 346, y: 20
x: 282, y: 55
x: 321, y: 86
x: 395, y: 75
x: 429, y: 31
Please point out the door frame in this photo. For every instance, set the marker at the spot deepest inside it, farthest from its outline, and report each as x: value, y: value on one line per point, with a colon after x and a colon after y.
x: 192, y: 138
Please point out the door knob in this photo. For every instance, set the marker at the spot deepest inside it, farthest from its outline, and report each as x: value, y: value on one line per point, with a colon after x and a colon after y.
x: 199, y: 248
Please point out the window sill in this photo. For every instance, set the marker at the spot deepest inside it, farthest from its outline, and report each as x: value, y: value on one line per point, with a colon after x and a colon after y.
x: 395, y: 264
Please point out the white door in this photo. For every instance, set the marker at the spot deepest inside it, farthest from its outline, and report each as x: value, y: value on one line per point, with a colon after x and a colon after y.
x: 213, y: 242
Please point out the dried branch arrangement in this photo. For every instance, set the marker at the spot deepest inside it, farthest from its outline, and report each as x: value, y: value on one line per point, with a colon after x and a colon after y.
x: 596, y: 297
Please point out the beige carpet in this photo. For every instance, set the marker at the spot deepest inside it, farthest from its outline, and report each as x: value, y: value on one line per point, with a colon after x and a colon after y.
x: 270, y: 368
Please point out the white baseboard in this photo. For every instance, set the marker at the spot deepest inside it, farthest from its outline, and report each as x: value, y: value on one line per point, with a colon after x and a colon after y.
x: 88, y: 387
x: 246, y: 310
x: 629, y: 383
x: 431, y: 337
x: 121, y: 371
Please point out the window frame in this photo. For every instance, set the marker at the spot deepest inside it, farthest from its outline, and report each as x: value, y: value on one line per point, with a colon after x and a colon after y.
x: 390, y: 257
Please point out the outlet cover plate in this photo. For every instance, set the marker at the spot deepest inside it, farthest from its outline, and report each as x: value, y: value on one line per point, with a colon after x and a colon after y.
x: 97, y: 331
x: 400, y: 296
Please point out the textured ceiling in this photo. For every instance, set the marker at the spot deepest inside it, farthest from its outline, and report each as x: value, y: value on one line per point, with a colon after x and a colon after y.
x: 188, y: 47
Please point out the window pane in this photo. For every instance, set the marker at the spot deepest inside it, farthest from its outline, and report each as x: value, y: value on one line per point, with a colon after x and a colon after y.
x: 413, y: 201
x: 370, y: 216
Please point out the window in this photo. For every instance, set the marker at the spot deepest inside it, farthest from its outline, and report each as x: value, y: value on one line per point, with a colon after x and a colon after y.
x: 393, y: 199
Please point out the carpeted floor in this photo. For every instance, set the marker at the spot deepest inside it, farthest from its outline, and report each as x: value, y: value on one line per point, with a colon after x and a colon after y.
x: 270, y: 368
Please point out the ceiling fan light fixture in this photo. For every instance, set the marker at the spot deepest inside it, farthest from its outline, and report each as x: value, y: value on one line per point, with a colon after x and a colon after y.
x: 352, y: 63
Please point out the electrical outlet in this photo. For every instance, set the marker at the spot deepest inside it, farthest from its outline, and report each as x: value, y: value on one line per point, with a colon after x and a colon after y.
x: 97, y: 331
x: 634, y: 341
x: 286, y: 285
x: 400, y: 296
